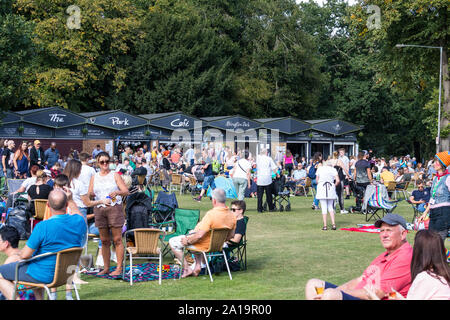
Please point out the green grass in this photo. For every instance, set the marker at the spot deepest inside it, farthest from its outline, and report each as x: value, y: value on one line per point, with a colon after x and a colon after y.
x: 284, y: 250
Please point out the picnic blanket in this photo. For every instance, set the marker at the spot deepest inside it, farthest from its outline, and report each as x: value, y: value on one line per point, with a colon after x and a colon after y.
x: 363, y: 228
x: 142, y: 272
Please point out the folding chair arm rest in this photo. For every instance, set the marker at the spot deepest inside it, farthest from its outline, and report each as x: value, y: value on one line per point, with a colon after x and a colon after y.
x: 24, y: 261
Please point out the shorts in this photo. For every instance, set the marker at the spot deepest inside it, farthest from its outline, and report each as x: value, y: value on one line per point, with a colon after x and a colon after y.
x: 109, y: 217
x: 176, y: 244
x: 209, y: 181
x: 8, y: 272
x: 345, y: 296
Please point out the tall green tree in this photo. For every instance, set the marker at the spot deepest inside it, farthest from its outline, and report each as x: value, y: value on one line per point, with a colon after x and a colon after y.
x: 17, y: 54
x: 410, y: 70
x: 82, y: 48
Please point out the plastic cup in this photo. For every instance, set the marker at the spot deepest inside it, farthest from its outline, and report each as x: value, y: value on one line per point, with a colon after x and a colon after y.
x: 170, y: 229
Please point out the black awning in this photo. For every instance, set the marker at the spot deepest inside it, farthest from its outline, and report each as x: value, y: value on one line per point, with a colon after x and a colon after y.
x: 336, y: 127
x: 9, y: 117
x: 36, y: 131
x: 175, y: 121
x: 70, y: 132
x: 288, y: 125
x: 96, y: 132
x: 234, y: 123
x: 117, y: 120
x: 54, y: 118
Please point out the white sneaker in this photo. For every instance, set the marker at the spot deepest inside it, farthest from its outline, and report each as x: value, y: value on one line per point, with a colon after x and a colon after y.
x: 344, y: 211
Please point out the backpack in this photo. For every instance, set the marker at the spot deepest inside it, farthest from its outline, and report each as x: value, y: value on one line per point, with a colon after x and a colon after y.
x: 312, y: 172
x: 19, y: 219
x: 215, y: 166
x: 138, y: 216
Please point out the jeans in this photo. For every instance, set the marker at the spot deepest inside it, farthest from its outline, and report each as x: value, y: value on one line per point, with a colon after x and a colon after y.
x: 209, y: 181
x: 421, y: 207
x: 260, y: 191
x: 240, y: 184
x: 10, y: 173
x: 314, y: 185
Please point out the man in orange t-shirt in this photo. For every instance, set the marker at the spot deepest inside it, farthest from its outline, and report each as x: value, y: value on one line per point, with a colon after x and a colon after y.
x: 218, y: 217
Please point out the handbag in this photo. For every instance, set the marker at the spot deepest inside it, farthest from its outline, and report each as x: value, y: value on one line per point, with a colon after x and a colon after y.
x: 422, y: 225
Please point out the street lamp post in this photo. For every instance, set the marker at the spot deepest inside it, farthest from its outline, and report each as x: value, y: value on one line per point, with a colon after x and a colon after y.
x: 438, y: 138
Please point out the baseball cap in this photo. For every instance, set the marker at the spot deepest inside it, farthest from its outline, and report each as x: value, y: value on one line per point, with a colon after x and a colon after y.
x: 393, y: 220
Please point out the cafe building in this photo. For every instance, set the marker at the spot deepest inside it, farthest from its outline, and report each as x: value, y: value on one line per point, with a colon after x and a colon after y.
x: 114, y: 129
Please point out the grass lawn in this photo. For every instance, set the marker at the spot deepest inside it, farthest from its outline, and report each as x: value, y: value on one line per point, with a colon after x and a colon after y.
x: 284, y: 250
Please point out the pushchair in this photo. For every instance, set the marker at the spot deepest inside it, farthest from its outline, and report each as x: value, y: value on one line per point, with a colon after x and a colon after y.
x: 358, y: 192
x: 281, y: 195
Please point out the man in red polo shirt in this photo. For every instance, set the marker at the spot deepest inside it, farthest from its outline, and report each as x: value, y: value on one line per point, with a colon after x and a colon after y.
x: 390, y: 270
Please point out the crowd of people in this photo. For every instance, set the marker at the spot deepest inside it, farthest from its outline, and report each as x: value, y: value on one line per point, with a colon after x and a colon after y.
x: 94, y: 186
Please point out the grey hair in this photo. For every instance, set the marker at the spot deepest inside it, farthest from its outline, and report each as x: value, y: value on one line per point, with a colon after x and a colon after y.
x: 219, y: 195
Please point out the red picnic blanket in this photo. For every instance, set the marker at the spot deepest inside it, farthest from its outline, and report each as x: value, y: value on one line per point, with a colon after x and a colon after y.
x: 369, y: 229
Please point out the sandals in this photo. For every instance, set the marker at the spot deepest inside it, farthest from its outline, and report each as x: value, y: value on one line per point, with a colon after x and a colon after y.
x: 324, y: 229
x: 333, y: 227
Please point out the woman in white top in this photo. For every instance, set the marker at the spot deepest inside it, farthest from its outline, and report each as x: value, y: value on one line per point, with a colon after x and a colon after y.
x: 77, y: 187
x: 430, y: 271
x: 327, y: 179
x: 241, y: 175
x: 108, y: 189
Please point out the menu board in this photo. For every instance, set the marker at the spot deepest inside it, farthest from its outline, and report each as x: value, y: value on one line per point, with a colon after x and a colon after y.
x: 70, y: 132
x: 99, y: 132
x: 31, y: 130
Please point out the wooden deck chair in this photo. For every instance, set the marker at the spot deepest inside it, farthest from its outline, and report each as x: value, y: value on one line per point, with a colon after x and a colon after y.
x: 66, y: 264
x: 218, y: 238
x: 305, y: 187
x: 403, y: 190
x: 175, y: 182
x: 40, y: 206
x: 145, y: 247
x: 391, y: 188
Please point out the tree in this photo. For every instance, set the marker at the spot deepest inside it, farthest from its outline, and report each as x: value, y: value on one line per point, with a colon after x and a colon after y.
x: 413, y: 22
x: 17, y: 54
x: 81, y: 50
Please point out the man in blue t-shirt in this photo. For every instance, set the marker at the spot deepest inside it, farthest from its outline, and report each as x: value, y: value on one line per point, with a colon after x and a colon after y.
x: 62, y: 231
x: 421, y: 196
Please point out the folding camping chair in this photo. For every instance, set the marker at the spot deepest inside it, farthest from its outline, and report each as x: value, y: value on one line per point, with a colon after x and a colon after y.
x: 185, y: 221
x: 378, y: 202
x: 163, y: 210
x: 239, y: 250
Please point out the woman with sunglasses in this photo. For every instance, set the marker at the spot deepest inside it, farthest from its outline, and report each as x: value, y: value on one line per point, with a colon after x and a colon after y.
x: 109, y: 189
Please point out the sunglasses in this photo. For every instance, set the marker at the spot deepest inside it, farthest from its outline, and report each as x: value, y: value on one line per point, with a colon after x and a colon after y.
x: 104, y: 162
